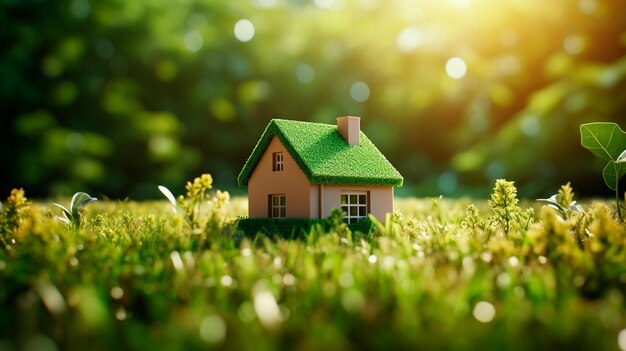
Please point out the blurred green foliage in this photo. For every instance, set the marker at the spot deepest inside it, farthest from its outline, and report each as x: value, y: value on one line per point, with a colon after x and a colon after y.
x: 115, y: 97
x: 434, y: 277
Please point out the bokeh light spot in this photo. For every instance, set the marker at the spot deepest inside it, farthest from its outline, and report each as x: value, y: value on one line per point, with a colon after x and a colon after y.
x: 80, y: 8
x: 574, y: 44
x: 213, y: 329
x: 244, y: 30
x: 621, y: 339
x: 588, y: 6
x: 447, y: 182
x: 222, y: 110
x: 166, y: 70
x: 265, y: 306
x: 246, y: 312
x: 305, y: 73
x: 120, y: 314
x: 456, y: 68
x: 462, y: 3
x: 352, y: 300
x: 52, y: 66
x: 105, y: 49
x: 266, y: 3
x: 530, y: 126
x: 65, y: 93
x: 75, y: 142
x: 162, y: 147
x: 478, y: 122
x: 39, y: 342
x: 495, y: 170
x: 484, y: 312
x: 360, y: 92
x: 324, y: 4
x: 409, y: 39
x: 197, y: 21
x: 509, y: 38
x: 509, y: 65
x: 193, y: 41
x: 226, y: 280
x: 117, y: 292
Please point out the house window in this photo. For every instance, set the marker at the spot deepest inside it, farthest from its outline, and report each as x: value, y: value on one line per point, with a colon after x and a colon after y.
x: 277, y: 161
x: 277, y: 206
x: 354, y: 204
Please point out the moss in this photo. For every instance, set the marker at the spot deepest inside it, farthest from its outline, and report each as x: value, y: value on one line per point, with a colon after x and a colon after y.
x: 324, y: 156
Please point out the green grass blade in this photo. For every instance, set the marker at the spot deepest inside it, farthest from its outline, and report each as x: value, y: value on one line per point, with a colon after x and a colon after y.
x: 168, y: 194
x: 67, y: 213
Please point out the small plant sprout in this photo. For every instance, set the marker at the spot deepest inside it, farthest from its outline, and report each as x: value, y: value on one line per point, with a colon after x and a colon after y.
x: 608, y: 142
x: 563, y: 201
x: 507, y: 214
x: 72, y: 216
x: 170, y: 197
x: 203, y: 212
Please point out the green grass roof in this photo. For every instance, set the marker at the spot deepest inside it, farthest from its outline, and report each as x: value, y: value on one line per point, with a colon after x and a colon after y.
x: 325, y: 156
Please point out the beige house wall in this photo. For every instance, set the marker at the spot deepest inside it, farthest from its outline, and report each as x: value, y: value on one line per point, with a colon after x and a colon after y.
x: 303, y: 199
x: 315, y: 201
x: 291, y: 181
x: 380, y: 198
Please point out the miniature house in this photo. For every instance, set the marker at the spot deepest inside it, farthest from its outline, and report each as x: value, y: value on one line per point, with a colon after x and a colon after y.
x: 304, y: 170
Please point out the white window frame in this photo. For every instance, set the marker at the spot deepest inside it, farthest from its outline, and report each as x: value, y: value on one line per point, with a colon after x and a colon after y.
x: 278, y: 162
x: 277, y: 206
x: 355, y: 204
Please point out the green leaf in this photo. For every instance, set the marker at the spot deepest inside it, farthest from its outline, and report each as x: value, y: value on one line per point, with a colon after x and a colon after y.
x: 612, y: 173
x: 604, y: 139
x: 79, y: 200
x: 66, y: 212
x: 168, y: 194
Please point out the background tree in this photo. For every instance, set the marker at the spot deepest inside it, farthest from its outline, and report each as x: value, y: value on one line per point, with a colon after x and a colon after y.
x: 116, y: 97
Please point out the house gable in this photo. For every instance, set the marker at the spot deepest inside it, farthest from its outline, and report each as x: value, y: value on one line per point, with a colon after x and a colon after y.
x: 266, y: 181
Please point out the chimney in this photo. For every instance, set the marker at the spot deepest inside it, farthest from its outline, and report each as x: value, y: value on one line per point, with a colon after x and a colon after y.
x: 350, y: 129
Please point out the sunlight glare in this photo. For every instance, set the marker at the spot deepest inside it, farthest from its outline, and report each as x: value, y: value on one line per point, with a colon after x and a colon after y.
x: 244, y: 30
x: 456, y: 68
x: 462, y: 3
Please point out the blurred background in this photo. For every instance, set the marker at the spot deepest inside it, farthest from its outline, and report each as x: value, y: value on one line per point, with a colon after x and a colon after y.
x: 115, y: 97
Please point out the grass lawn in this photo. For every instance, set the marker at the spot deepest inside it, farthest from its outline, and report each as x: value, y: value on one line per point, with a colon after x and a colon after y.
x: 438, y: 276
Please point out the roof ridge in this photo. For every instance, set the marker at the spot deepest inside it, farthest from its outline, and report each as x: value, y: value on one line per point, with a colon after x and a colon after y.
x: 324, y: 156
